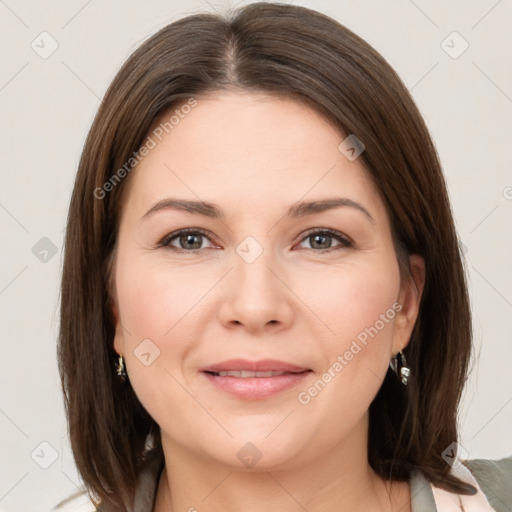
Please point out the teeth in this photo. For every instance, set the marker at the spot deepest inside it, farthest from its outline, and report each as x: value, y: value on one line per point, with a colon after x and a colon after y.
x: 246, y: 374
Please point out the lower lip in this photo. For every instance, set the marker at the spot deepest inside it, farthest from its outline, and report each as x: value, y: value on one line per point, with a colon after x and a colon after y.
x: 256, y: 388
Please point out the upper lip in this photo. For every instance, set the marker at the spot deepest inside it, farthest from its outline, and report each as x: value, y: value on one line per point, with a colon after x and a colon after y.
x: 265, y: 365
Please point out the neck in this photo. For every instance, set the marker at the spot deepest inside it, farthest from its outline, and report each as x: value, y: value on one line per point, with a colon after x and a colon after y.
x: 340, y: 480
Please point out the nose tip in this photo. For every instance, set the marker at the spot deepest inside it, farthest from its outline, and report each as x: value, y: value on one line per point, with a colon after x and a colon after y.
x: 254, y: 297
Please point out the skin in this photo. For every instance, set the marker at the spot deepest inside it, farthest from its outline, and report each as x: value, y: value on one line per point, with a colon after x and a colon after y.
x: 254, y: 156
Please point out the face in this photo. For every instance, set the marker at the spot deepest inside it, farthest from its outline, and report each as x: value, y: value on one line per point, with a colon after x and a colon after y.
x: 265, y: 322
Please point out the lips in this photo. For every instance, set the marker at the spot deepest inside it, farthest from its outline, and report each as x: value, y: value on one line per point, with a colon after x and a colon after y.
x: 254, y: 380
x: 244, y: 374
x: 266, y: 365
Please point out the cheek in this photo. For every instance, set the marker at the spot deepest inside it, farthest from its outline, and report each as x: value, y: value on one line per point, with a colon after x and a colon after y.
x: 154, y: 299
x: 160, y: 311
x: 359, y: 307
x: 163, y: 311
x: 352, y: 299
x: 156, y: 308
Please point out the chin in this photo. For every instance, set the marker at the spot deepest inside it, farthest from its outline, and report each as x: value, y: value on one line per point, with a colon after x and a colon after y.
x: 265, y: 450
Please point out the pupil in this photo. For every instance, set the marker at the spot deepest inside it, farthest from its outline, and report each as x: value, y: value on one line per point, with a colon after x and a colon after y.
x: 189, y: 241
x: 320, y: 237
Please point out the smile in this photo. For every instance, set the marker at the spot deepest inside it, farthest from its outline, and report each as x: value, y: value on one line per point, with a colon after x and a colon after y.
x: 254, y: 380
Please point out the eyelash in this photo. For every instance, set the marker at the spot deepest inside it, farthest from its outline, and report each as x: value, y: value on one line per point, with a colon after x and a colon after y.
x: 345, y: 241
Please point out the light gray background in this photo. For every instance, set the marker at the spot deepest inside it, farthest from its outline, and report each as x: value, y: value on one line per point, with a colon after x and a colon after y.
x: 47, y: 106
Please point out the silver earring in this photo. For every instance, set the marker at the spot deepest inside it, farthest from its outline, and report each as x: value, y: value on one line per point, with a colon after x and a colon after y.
x: 120, y: 368
x: 399, y: 366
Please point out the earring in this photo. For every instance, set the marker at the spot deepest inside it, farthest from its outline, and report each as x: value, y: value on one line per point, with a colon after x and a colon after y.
x: 120, y: 368
x: 399, y: 365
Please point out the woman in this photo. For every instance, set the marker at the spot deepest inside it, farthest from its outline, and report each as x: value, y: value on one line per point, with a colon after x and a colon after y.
x: 263, y: 299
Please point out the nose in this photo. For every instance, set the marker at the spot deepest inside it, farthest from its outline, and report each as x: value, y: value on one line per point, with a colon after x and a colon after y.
x: 256, y: 297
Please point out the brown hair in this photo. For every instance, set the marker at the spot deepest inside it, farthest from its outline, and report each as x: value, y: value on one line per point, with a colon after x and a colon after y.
x: 296, y: 52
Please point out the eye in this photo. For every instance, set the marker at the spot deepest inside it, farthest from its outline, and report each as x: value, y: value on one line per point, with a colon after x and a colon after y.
x: 321, y: 240
x: 191, y: 240
x: 187, y: 240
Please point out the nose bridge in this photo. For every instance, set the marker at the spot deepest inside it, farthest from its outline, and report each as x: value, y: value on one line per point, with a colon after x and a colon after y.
x: 252, y: 271
x: 255, y: 295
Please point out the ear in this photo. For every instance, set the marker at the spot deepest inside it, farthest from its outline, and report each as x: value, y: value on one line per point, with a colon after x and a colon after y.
x: 119, y: 332
x: 411, y: 290
x: 119, y: 340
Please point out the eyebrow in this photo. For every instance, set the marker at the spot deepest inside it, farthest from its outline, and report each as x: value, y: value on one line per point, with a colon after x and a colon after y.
x: 300, y: 209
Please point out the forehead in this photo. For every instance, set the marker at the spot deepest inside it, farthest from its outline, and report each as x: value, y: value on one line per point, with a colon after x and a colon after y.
x: 247, y: 149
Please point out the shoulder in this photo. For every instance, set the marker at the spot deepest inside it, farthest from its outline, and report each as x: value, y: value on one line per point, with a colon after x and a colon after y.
x: 144, y: 494
x: 78, y: 502
x: 494, y: 477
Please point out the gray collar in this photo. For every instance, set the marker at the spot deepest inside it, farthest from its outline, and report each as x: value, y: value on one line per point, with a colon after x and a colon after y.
x: 422, y: 497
